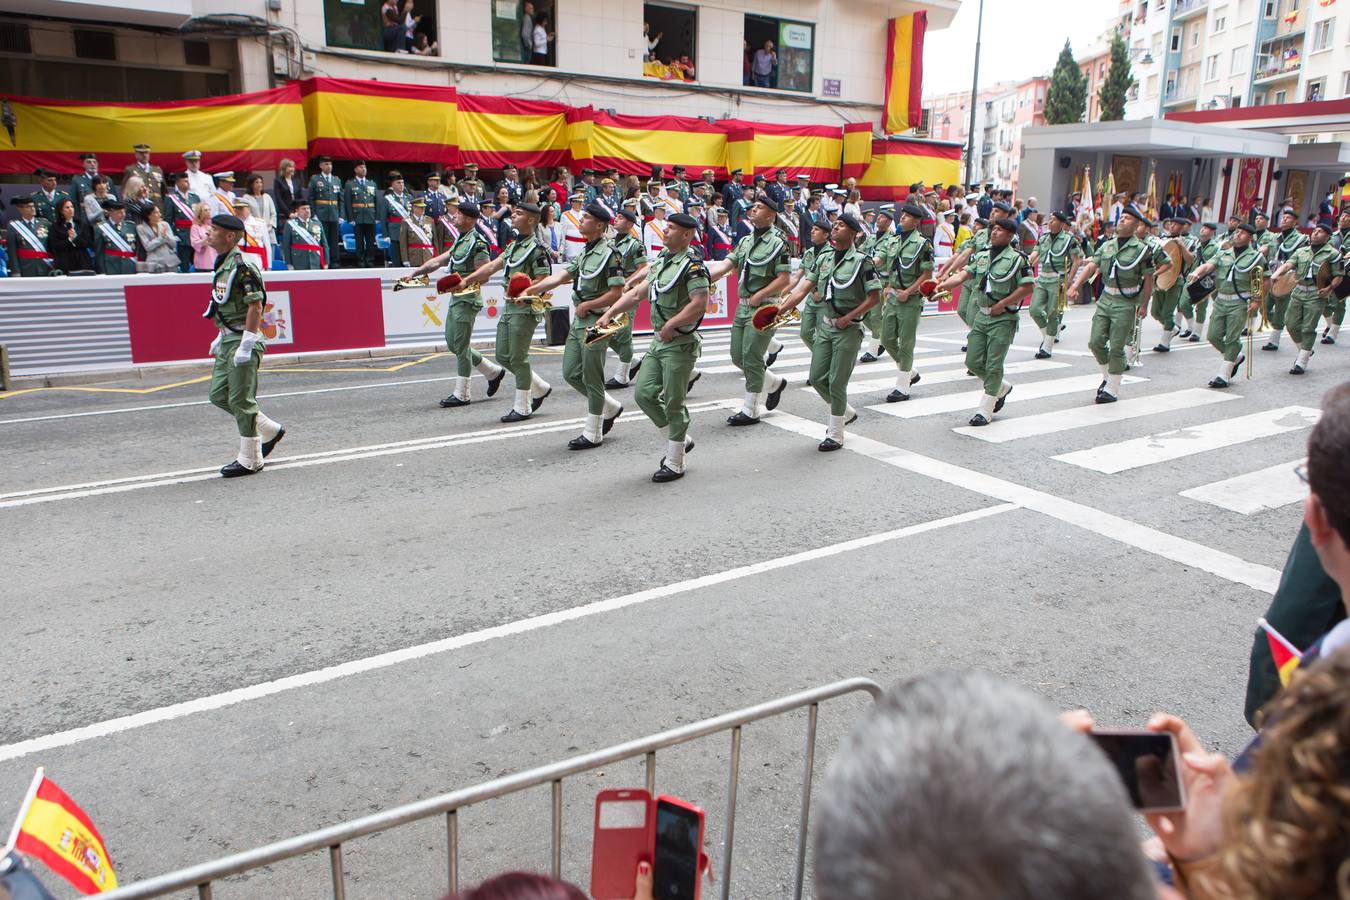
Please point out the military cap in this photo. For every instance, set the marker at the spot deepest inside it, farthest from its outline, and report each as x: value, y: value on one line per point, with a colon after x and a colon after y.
x: 912, y: 209
x: 394, y: 175
x: 228, y: 222
x: 141, y: 148
x: 735, y: 172
x: 1062, y: 216
x: 418, y: 201
x: 759, y: 178
x: 175, y: 176
x: 531, y: 208
x: 224, y: 176
x: 1166, y: 219
x: 576, y: 197
x: 585, y: 172
x: 708, y: 172
x: 694, y: 201
x: 43, y: 173
x: 470, y: 209
x: 981, y: 220
x: 470, y: 165
x: 116, y: 204
x: 847, y: 219
x: 1005, y: 223
x: 679, y: 168
x: 802, y: 176
x: 1212, y: 226
x: 606, y: 180
x: 612, y: 172
x: 684, y: 220
x: 670, y: 186
x: 1135, y: 212
x: 84, y: 156
x: 299, y: 202
x: 1288, y: 212
x: 431, y: 175
x: 21, y: 200
x: 780, y: 171
x: 509, y: 167
x: 769, y: 202
x: 325, y: 159
x: 1250, y: 229
x: 239, y: 203
x: 599, y: 211
x: 629, y: 215
x: 191, y: 154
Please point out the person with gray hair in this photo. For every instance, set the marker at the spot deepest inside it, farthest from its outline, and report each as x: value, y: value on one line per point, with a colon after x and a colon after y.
x: 960, y: 786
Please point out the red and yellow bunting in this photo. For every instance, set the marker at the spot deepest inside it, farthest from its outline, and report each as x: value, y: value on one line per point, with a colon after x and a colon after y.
x: 495, y: 131
x: 904, y: 72
x: 353, y: 119
x: 899, y: 162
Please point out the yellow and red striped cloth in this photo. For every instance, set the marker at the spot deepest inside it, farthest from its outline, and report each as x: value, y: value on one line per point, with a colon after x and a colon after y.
x: 903, y: 102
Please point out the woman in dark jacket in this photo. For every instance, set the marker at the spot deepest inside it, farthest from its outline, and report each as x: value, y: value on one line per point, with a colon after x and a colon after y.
x: 67, y: 242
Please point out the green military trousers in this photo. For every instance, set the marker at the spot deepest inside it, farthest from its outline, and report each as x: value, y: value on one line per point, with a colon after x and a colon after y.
x: 748, y: 347
x: 583, y: 366
x: 987, y: 347
x: 899, y: 325
x: 833, y: 356
x: 1112, y: 328
x: 1276, y: 310
x: 1225, y: 326
x: 621, y: 342
x: 235, y: 388
x: 810, y: 312
x: 662, y: 383
x: 514, y: 334
x: 873, y: 320
x: 1045, y: 307
x: 459, y: 319
x: 1305, y: 309
x: 1163, y: 305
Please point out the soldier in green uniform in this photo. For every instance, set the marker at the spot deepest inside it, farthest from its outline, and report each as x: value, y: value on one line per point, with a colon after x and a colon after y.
x: 677, y: 286
x: 177, y: 209
x: 1335, y: 313
x: 1165, y: 300
x: 907, y: 261
x: 1308, y: 302
x: 48, y: 196
x: 465, y: 256
x: 1203, y: 249
x: 877, y: 246
x: 115, y: 241
x: 763, y: 261
x: 515, y: 329
x: 358, y: 208
x: 83, y: 183
x: 1005, y: 278
x: 811, y: 306
x: 1234, y: 305
x: 850, y: 285
x: 325, y: 197
x: 1287, y: 243
x: 1128, y: 266
x: 597, y: 281
x: 1265, y: 239
x: 977, y: 242
x: 633, y: 265
x: 236, y: 308
x: 1054, y: 258
x: 26, y: 241
x: 303, y: 243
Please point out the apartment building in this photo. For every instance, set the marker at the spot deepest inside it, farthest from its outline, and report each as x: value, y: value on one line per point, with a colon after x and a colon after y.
x: 1001, y: 112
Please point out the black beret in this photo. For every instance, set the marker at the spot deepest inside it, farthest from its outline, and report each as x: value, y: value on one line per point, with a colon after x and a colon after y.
x: 1062, y: 216
x: 599, y: 211
x: 1325, y: 226
x: 229, y: 223
x: 470, y: 209
x: 684, y: 220
x: 981, y: 220
x: 821, y: 224
x: 1136, y: 213
x: 1212, y: 226
x: 851, y: 222
x: 1006, y: 224
x: 913, y: 209
x: 531, y: 208
x: 629, y: 215
x: 1261, y: 213
x: 1250, y: 229
x: 1003, y: 207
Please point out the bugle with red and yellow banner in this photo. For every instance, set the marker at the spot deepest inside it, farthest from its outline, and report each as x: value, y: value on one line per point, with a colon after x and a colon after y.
x: 50, y: 827
x: 903, y: 102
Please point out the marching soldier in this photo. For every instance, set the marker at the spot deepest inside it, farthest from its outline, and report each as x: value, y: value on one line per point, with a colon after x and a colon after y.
x: 1335, y: 313
x: 762, y: 262
x: 1128, y: 267
x: 416, y: 239
x: 177, y: 209
x: 1004, y: 279
x: 221, y: 201
x: 907, y: 260
x: 237, y: 300
x: 811, y: 305
x: 115, y: 241
x: 677, y: 288
x: 393, y: 207
x: 1285, y: 244
x: 26, y: 239
x: 325, y: 197
x: 515, y: 329
x: 469, y: 185
x: 1308, y: 301
x: 1193, y: 310
x: 851, y: 286
x: 1054, y: 258
x: 358, y: 208
x: 597, y: 281
x: 48, y: 196
x: 1234, y: 306
x: 877, y: 245
x: 633, y: 266
x: 1165, y: 300
x: 303, y: 243
x: 151, y: 174
x: 1264, y: 241
x: 466, y: 255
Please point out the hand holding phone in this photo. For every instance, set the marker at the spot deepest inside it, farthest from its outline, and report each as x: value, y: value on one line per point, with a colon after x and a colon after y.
x: 1149, y: 765
x: 677, y: 850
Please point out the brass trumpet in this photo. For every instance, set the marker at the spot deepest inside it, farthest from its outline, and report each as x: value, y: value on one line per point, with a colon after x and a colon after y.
x: 537, y: 304
x: 1062, y: 301
x: 770, y: 316
x: 597, y: 333
x: 412, y: 281
x: 1258, y: 283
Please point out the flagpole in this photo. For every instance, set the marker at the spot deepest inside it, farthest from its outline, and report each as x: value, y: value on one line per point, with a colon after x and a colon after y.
x: 974, y: 94
x: 23, y: 811
x: 1284, y: 641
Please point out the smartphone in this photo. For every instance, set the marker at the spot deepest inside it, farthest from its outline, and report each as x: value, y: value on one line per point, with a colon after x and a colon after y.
x: 676, y: 849
x: 622, y: 839
x: 1149, y: 764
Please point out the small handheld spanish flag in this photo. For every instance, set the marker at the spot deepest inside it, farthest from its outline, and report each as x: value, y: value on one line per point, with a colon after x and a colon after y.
x: 1285, y: 654
x: 50, y: 827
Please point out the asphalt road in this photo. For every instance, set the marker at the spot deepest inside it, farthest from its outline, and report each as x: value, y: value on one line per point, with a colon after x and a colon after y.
x: 171, y: 638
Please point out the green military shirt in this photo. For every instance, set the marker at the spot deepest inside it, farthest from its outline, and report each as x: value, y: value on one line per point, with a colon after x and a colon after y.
x: 1307, y: 262
x: 1265, y: 241
x: 236, y: 284
x: 998, y: 274
x: 1233, y: 272
x: 594, y: 271
x: 1055, y: 254
x: 845, y: 278
x: 759, y: 258
x: 878, y: 245
x: 358, y: 201
x: 1341, y: 240
x: 906, y: 258
x: 629, y: 249
x: 810, y: 265
x: 325, y: 196
x: 672, y: 281
x: 45, y: 206
x: 115, y: 247
x: 524, y: 254
x: 468, y: 252
x: 1285, y: 245
x: 1125, y: 264
x: 295, y: 235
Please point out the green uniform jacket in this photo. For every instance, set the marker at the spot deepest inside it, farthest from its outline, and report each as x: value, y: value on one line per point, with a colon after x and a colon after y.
x: 673, y: 280
x: 810, y: 265
x: 295, y: 233
x: 524, y: 254
x: 1233, y: 272
x: 113, y: 257
x: 878, y: 246
x: 325, y: 197
x: 998, y: 274
x: 1339, y: 240
x: 408, y: 240
x: 467, y: 253
x: 759, y: 258
x: 1054, y: 256
x: 1265, y: 241
x: 1125, y: 264
x: 1285, y: 245
x: 594, y: 271
x: 358, y: 201
x: 845, y: 278
x: 631, y: 257
x: 46, y: 208
x: 236, y: 283
x: 1307, y: 261
x: 392, y: 217
x: 905, y: 258
x: 178, y: 218
x: 24, y: 260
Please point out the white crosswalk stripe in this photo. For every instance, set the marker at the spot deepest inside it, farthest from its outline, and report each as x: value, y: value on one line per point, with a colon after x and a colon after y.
x: 945, y: 376
x: 799, y: 364
x: 1183, y: 442
x: 969, y: 400
x: 1013, y: 428
x: 1254, y: 492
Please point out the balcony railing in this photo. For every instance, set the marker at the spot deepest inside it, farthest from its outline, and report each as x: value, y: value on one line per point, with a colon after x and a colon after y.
x: 1281, y: 69
x: 1185, y: 9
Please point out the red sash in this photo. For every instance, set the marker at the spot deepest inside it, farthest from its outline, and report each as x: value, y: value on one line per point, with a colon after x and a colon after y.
x: 110, y: 251
x: 576, y: 239
x: 420, y: 247
x: 312, y: 248
x: 258, y: 251
x: 25, y: 253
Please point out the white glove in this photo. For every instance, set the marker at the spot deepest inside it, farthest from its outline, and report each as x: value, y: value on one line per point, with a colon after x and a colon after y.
x: 246, y: 345
x: 214, y: 345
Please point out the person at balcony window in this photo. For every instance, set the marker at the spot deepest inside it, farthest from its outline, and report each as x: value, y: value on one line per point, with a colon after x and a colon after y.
x: 393, y: 31
x: 765, y: 61
x: 422, y: 47
x: 410, y: 22
x: 652, y: 41
x: 527, y: 30
x: 542, y: 38
x: 746, y: 77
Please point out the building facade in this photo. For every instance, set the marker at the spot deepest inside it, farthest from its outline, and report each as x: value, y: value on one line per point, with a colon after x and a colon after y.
x: 1001, y: 112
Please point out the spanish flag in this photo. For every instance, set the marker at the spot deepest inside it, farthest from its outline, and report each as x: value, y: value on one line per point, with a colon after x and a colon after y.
x: 1285, y: 654
x: 50, y: 827
x: 904, y: 72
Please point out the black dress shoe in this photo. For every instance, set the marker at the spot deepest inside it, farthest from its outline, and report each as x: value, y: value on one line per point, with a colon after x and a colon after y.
x: 609, y: 423
x: 1217, y: 382
x: 495, y: 382
x: 1270, y: 346
x: 536, y: 402
x: 633, y: 368
x: 741, y: 419
x: 828, y: 445
x: 978, y: 419
x: 1242, y: 358
x: 867, y: 358
x: 268, y: 446
x: 1162, y: 348
x: 1185, y: 334
x: 514, y: 416
x: 771, y: 359
x: 915, y: 379
x: 235, y: 469
x: 897, y: 396
x: 664, y: 474
x: 1042, y: 353
x: 1296, y: 370
x: 692, y: 381
x: 452, y: 401
x: 963, y: 347
x: 998, y: 404
x: 1327, y: 338
x: 615, y: 384
x: 688, y: 445
x: 771, y: 401
x: 581, y: 442
x: 881, y: 351
x: 1105, y: 397
x: 1194, y: 338
x: 853, y: 418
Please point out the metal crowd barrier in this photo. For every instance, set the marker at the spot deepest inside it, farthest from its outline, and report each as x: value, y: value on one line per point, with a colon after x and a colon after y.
x: 202, y: 876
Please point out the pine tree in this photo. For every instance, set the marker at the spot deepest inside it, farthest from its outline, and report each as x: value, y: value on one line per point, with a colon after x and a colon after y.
x: 1119, y: 79
x: 1066, y: 99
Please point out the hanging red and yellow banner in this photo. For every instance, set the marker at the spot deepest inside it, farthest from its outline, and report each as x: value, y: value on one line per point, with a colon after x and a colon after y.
x: 495, y: 131
x: 237, y: 131
x: 857, y: 149
x: 812, y: 150
x: 899, y: 162
x: 349, y: 118
x: 632, y: 144
x: 904, y: 73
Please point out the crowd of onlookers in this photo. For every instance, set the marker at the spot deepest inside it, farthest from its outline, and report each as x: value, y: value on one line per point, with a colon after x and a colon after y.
x: 401, y: 24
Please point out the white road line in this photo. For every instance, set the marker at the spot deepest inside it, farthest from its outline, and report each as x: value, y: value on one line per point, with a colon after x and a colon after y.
x: 184, y: 476
x: 1017, y: 427
x: 795, y: 366
x: 946, y: 376
x: 408, y: 654
x: 1113, y: 527
x: 1030, y: 348
x: 1170, y: 445
x: 1254, y: 492
x: 970, y: 400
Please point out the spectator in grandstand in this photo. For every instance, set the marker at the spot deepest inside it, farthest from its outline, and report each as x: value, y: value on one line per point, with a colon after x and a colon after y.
x: 158, y: 243
x: 136, y: 194
x: 261, y: 205
x: 67, y: 241
x: 286, y: 189
x: 548, y: 197
x: 527, y: 31
x: 853, y: 205
x: 203, y: 257
x: 393, y: 30
x: 549, y: 231
x: 651, y: 40
x: 511, y: 183
x: 93, y: 201
x: 542, y: 38
x: 411, y: 19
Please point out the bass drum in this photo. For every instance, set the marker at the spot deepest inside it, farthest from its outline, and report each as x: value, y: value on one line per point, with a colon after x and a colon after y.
x: 1169, y: 278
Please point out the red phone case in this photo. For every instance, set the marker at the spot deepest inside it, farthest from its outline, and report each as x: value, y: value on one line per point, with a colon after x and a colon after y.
x: 703, y: 862
x: 625, y: 821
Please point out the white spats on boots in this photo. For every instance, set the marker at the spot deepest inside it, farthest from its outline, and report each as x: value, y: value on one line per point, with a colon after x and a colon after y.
x: 1113, y: 384
x: 775, y: 346
x: 461, y: 390
x: 612, y: 406
x: 522, y: 404
x: 903, y: 379
x: 1190, y: 326
x: 1301, y: 364
x: 750, y: 406
x: 1274, y: 339
x: 539, y: 388
x: 834, y: 428
x: 675, y: 456
x: 621, y: 374
x: 593, y: 431
x: 488, y: 369
x: 874, y: 346
x: 1168, y: 333
x: 1226, y: 371
x: 1047, y: 341
x: 267, y: 429
x: 250, y: 453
